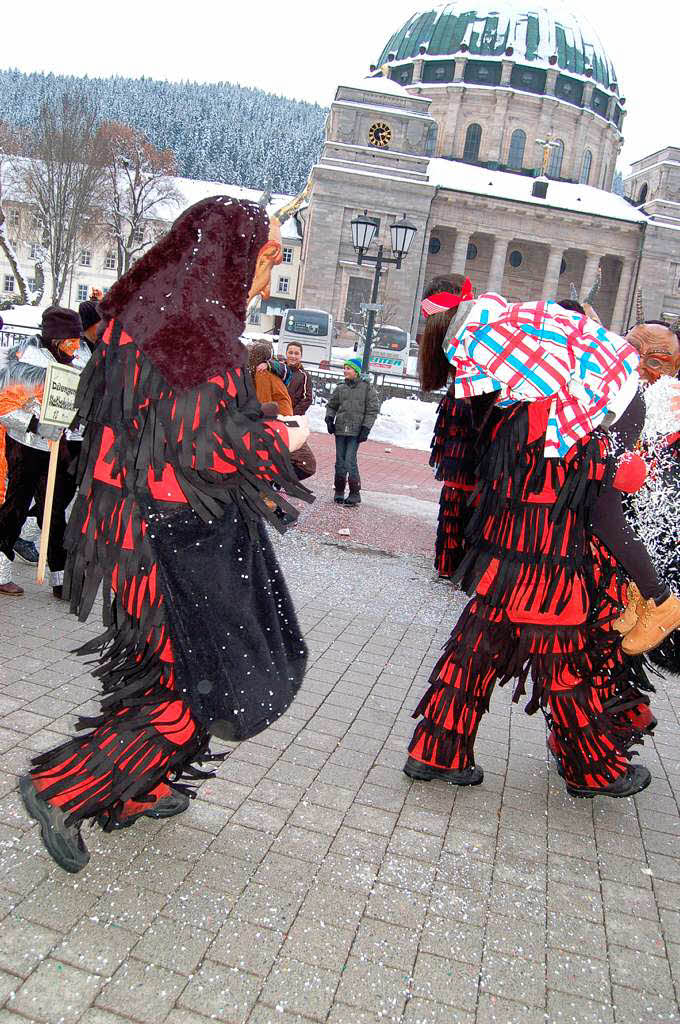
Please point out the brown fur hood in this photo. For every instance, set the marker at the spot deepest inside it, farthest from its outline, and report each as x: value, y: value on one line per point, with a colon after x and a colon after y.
x: 184, y: 302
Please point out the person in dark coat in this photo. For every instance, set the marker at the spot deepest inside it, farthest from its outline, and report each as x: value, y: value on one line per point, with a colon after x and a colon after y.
x: 91, y: 319
x: 350, y: 414
x: 178, y: 471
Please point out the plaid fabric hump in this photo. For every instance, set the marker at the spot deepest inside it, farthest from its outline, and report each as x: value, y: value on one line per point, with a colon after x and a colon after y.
x: 536, y: 350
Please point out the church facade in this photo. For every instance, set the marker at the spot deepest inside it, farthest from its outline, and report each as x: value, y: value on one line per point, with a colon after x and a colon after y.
x: 462, y: 112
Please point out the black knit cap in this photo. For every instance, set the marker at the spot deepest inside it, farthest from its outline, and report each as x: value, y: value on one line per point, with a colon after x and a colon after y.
x: 89, y: 314
x: 59, y: 323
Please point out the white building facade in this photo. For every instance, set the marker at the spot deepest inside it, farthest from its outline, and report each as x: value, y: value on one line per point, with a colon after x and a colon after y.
x: 95, y: 263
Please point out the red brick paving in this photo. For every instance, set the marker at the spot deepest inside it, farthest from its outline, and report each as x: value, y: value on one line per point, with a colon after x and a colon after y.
x: 385, y: 470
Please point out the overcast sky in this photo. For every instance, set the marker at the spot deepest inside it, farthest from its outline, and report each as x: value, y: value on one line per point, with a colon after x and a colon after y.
x: 303, y: 48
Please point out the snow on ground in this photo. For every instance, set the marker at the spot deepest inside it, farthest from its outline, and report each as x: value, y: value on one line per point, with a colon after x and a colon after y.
x: 402, y: 422
x: 23, y: 316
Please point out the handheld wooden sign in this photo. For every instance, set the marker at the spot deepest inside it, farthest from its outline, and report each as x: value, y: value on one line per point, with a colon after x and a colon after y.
x: 57, y: 410
x: 58, y: 405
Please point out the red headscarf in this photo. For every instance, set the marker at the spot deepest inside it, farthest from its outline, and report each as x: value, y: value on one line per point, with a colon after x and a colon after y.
x: 441, y: 301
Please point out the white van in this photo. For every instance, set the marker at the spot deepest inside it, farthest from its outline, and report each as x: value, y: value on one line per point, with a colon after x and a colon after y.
x: 311, y: 328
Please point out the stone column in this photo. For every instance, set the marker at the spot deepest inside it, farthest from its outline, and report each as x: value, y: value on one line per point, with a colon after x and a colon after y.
x: 496, y: 270
x: 551, y: 278
x: 589, y: 272
x: 623, y: 294
x: 460, y: 249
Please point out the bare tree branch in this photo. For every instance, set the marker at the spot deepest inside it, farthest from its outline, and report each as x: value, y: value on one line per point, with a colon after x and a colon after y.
x: 9, y: 146
x: 138, y: 184
x: 62, y: 177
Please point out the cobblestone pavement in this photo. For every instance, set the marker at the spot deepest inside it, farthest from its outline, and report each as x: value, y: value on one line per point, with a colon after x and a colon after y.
x: 311, y: 881
x: 400, y: 496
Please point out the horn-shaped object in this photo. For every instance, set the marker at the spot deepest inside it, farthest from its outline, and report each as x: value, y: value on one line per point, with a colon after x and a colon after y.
x: 573, y: 294
x: 639, y: 308
x: 289, y: 209
x: 595, y: 287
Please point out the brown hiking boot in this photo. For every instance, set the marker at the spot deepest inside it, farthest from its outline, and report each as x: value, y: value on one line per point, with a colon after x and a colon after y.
x: 654, y: 624
x: 629, y: 616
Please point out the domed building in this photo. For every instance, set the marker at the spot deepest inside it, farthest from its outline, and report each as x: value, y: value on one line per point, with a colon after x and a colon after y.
x: 465, y: 108
x: 499, y: 79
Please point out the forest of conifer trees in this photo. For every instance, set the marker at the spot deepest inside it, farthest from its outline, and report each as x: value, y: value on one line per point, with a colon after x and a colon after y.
x: 218, y: 131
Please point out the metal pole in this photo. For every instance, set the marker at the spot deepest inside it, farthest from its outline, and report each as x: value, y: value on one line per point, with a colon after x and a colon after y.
x: 371, y: 313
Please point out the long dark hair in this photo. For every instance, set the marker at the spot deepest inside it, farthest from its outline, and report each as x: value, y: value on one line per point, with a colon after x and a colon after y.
x: 434, y: 369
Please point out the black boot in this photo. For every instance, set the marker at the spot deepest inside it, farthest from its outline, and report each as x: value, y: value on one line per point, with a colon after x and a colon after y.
x: 471, y: 776
x: 354, y: 496
x: 339, y: 484
x: 634, y: 781
x: 63, y: 842
x: 167, y: 807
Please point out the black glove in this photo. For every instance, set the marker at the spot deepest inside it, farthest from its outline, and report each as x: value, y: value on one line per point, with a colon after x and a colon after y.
x: 363, y: 434
x: 330, y: 425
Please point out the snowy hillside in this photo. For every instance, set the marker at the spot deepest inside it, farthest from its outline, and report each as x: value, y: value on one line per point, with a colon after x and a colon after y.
x: 218, y: 132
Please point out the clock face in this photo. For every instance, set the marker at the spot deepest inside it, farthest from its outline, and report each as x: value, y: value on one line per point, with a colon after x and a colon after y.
x: 380, y: 134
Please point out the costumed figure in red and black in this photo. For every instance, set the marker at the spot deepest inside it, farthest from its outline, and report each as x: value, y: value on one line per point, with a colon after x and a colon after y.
x: 178, y: 471
x: 457, y: 434
x: 545, y: 589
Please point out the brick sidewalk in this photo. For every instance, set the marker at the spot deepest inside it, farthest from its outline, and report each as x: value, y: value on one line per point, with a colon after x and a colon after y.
x: 398, y: 513
x: 311, y: 881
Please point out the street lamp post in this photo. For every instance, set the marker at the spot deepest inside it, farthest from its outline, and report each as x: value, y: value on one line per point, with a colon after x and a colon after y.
x: 364, y: 230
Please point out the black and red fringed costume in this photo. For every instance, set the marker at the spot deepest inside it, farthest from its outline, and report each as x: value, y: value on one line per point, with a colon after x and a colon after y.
x: 456, y: 443
x: 545, y: 595
x: 178, y: 470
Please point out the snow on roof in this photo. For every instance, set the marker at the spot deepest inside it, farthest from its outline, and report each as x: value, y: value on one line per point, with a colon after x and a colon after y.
x: 460, y: 177
x: 193, y: 190
x: 382, y: 85
x: 533, y: 31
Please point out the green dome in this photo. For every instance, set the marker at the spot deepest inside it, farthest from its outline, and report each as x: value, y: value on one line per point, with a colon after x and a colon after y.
x: 541, y: 35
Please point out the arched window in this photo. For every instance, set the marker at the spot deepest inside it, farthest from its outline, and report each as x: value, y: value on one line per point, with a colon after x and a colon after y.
x: 473, y: 138
x: 518, y: 141
x: 642, y: 196
x: 585, y: 167
x: 605, y: 175
x: 556, y: 154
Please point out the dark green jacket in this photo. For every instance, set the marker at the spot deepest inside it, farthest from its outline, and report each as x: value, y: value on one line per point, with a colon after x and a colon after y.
x: 354, y: 404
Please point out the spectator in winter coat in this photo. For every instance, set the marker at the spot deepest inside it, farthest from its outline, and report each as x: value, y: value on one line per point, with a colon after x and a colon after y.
x: 270, y: 389
x: 299, y: 386
x: 296, y: 378
x: 22, y: 381
x: 351, y: 412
